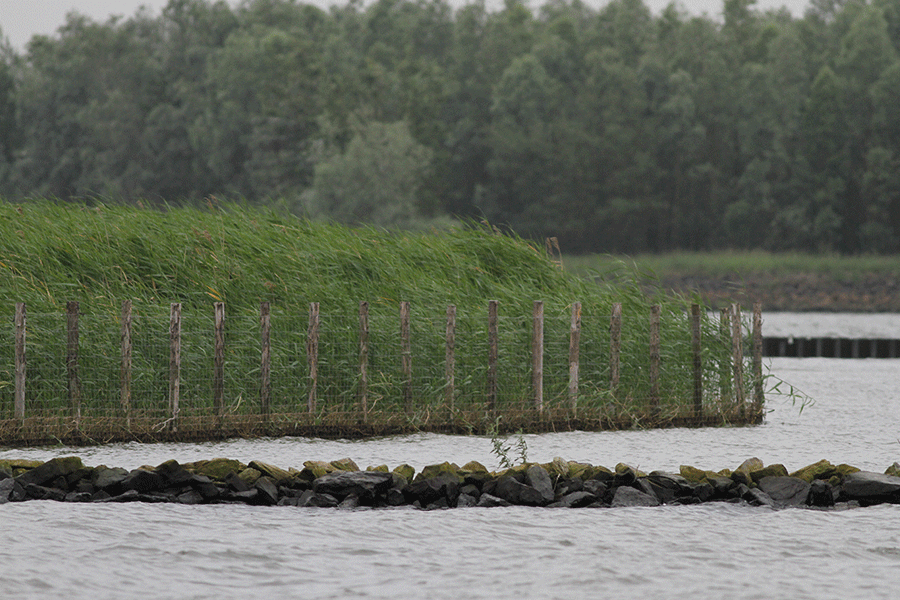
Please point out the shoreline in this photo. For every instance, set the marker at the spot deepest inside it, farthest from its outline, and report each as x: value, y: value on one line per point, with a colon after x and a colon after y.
x: 342, y: 484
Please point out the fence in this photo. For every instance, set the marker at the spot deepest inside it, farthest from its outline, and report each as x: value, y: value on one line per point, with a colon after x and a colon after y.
x: 90, y: 379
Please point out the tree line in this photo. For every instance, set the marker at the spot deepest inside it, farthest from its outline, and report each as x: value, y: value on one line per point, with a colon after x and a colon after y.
x: 611, y: 129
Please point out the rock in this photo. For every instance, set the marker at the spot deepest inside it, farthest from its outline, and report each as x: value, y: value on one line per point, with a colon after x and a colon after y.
x: 50, y: 470
x: 344, y: 464
x: 489, y: 501
x: 405, y: 471
x: 568, y: 486
x: 267, y: 491
x: 770, y: 471
x: 313, y: 469
x: 693, y: 474
x: 78, y: 497
x: 538, y: 478
x: 250, y: 475
x: 668, y: 486
x: 626, y: 496
x: 515, y: 492
x: 721, y: 485
x: 428, y: 491
x: 574, y: 500
x: 466, y: 501
x: 434, y: 470
x: 6, y: 488
x: 190, y: 497
x: 39, y: 492
x: 143, y: 481
x: 785, y: 490
x: 104, y: 478
x: 235, y: 482
x: 311, y: 498
x: 216, y: 468
x: 893, y: 470
x: 558, y: 468
x: 350, y: 502
x: 595, y: 487
x: 379, y: 468
x: 820, y: 470
x: 704, y: 492
x: 626, y: 475
x: 274, y: 473
x: 757, y: 497
x: 750, y: 465
x: 174, y: 474
x: 871, y: 488
x: 821, y: 494
x: 367, y: 486
x: 473, y: 466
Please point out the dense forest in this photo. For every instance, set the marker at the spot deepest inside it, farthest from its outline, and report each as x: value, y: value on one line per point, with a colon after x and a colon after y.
x: 612, y: 129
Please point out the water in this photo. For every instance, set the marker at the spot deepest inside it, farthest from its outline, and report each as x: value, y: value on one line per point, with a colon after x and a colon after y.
x: 720, y: 550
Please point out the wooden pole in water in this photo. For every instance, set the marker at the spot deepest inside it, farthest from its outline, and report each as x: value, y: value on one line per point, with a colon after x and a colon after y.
x: 574, y: 354
x: 312, y: 356
x: 654, y: 360
x: 174, y: 364
x: 450, y: 359
x: 74, y: 382
x: 265, y: 359
x: 737, y: 344
x: 20, y: 362
x: 696, y: 351
x: 406, y: 355
x: 364, y: 360
x: 125, y: 369
x: 615, y: 344
x: 493, y: 354
x: 759, y: 397
x: 725, y: 372
x: 537, y: 354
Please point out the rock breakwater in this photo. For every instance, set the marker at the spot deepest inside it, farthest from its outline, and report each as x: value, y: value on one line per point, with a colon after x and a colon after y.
x: 558, y: 484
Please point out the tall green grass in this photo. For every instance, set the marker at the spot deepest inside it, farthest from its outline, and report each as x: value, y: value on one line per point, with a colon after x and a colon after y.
x: 101, y: 255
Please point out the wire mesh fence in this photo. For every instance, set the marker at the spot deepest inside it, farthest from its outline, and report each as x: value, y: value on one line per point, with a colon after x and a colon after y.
x: 152, y: 375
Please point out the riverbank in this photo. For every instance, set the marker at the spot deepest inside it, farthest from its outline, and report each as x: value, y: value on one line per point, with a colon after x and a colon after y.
x: 780, y: 282
x: 557, y: 484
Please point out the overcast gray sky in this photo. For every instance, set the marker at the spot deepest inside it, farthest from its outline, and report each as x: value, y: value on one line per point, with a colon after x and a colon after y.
x: 20, y: 19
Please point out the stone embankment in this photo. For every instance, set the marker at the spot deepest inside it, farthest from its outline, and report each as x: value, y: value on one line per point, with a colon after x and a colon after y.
x: 341, y: 483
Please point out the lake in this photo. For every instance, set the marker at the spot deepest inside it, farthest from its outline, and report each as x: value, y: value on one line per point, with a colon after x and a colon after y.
x: 849, y: 413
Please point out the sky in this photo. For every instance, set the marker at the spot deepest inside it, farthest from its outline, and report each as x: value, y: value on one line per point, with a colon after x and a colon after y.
x: 21, y: 19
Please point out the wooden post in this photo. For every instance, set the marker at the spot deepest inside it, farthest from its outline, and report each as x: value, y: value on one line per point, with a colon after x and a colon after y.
x: 450, y: 359
x: 265, y: 359
x: 574, y: 354
x: 364, y: 360
x: 537, y: 354
x: 654, y: 360
x: 20, y: 362
x: 125, y: 369
x: 312, y: 356
x: 219, y: 362
x: 74, y: 382
x: 406, y: 355
x: 737, y: 345
x: 493, y: 354
x: 696, y: 351
x: 725, y: 373
x: 758, y: 392
x: 615, y: 345
x: 174, y: 364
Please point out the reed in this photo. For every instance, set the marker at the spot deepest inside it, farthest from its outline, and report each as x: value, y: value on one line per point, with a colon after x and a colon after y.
x: 101, y: 255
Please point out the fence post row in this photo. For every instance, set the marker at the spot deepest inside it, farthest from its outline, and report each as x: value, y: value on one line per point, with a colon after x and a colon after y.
x: 731, y: 376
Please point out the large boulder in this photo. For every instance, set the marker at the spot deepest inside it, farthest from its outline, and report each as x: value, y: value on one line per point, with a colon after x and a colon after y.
x: 515, y: 492
x: 276, y: 474
x: 668, y: 487
x: 368, y: 486
x: 51, y: 470
x: 871, y: 488
x: 821, y: 494
x: 443, y: 487
x: 537, y: 477
x: 785, y: 491
x: 819, y: 470
x: 626, y: 496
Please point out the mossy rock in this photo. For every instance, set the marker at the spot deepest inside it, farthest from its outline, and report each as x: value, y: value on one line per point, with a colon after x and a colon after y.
x: 434, y: 470
x: 578, y: 469
x: 750, y: 465
x: 598, y: 473
x: 379, y: 469
x: 557, y: 468
x: 845, y: 469
x: 313, y: 469
x: 216, y: 468
x: 473, y: 466
x: 776, y: 470
x: 405, y: 471
x: 819, y: 470
x: 623, y: 469
x: 277, y: 474
x: 17, y: 464
x: 724, y: 473
x: 695, y: 475
x: 250, y: 476
x: 893, y: 470
x: 345, y: 464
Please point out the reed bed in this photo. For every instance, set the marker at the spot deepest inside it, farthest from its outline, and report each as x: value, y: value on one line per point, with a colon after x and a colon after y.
x: 101, y: 255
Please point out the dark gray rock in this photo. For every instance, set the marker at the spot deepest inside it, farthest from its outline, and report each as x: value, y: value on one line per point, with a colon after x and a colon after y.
x: 39, y: 492
x: 143, y: 481
x: 515, y: 492
x: 784, y: 490
x: 50, y: 470
x: 174, y: 475
x: 757, y: 497
x: 568, y: 486
x: 236, y: 483
x: 704, y: 492
x: 78, y: 497
x: 351, y: 501
x: 821, y: 494
x: 668, y: 486
x: 722, y: 486
x: 595, y: 487
x: 104, y: 478
x: 574, y: 500
x: 395, y: 497
x: 428, y: 491
x: 367, y: 486
x: 267, y: 491
x: 311, y: 498
x: 470, y: 490
x: 247, y: 496
x: 490, y: 501
x: 871, y: 488
x: 537, y: 477
x: 626, y: 496
x: 6, y: 488
x: 466, y: 500
x: 190, y: 497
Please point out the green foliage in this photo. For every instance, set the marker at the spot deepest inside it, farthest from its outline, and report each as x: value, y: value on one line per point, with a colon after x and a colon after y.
x: 502, y: 447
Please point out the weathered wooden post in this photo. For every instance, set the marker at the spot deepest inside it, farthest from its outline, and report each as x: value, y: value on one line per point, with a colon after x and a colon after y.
x: 696, y: 351
x: 125, y: 368
x: 450, y: 359
x: 219, y: 362
x: 265, y: 359
x: 537, y: 354
x: 574, y: 354
x: 74, y: 382
x: 20, y: 362
x: 174, y: 364
x: 312, y: 356
x: 364, y: 360
x: 759, y: 398
x: 737, y: 345
x: 615, y: 345
x: 406, y: 355
x: 654, y: 361
x: 493, y: 354
x: 725, y: 370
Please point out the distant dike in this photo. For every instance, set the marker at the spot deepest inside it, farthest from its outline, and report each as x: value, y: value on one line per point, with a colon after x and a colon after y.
x: 341, y: 484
